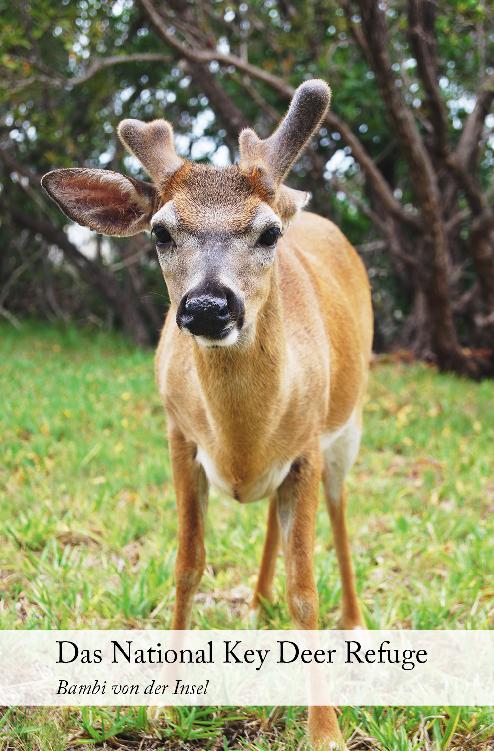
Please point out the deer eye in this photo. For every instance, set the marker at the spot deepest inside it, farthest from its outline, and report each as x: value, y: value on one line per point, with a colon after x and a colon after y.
x: 269, y: 237
x: 162, y: 236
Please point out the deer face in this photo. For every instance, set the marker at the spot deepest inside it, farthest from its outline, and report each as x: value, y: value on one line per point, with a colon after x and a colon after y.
x: 216, y: 242
x: 215, y: 230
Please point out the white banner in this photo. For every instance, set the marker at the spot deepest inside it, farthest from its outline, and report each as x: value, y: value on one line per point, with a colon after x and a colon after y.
x: 242, y: 668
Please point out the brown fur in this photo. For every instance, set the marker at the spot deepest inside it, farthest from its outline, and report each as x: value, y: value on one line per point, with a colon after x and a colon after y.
x: 251, y: 414
x: 303, y: 375
x: 244, y: 406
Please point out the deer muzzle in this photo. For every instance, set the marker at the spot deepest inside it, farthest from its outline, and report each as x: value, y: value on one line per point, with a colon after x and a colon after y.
x: 210, y: 310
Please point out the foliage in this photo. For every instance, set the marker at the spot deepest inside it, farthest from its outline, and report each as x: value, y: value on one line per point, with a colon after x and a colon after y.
x: 89, y: 534
x: 72, y: 70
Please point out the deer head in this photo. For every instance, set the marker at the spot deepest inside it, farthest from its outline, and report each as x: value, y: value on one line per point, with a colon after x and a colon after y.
x: 216, y: 229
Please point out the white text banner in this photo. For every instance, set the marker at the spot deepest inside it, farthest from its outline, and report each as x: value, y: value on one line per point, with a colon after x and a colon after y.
x: 243, y: 668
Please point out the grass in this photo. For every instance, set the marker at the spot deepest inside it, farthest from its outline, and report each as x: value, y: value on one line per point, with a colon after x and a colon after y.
x: 88, y: 537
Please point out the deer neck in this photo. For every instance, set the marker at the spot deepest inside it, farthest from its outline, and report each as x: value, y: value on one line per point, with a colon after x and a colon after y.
x: 242, y: 385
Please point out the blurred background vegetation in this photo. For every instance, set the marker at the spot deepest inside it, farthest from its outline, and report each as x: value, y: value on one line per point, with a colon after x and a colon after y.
x: 403, y: 162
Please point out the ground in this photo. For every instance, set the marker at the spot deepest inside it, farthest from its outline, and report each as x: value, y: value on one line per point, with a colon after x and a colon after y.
x: 88, y: 527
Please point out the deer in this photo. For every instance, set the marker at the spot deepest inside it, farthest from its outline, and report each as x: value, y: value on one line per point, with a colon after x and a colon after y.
x: 263, y: 360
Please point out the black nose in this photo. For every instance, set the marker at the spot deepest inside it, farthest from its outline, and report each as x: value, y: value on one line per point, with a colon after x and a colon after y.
x: 210, y: 310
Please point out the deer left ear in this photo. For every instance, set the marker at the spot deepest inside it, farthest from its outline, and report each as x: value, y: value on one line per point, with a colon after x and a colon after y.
x: 102, y: 200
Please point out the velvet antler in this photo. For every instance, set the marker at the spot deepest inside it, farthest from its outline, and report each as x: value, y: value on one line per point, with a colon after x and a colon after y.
x: 275, y: 155
x: 152, y: 144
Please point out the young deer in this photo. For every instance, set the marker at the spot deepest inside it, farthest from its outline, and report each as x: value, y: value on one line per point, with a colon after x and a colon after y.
x: 263, y: 359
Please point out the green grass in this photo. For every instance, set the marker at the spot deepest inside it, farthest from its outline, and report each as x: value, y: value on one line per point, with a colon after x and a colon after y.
x: 88, y: 536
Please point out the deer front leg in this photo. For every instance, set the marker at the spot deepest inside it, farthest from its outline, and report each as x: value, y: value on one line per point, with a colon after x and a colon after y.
x: 191, y: 489
x: 297, y: 506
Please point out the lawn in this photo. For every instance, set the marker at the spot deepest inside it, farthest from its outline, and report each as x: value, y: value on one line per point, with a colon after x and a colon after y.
x: 88, y: 526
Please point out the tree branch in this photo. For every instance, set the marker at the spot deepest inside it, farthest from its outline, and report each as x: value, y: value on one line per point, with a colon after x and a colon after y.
x: 230, y: 116
x: 434, y: 272
x: 421, y: 33
x: 108, y: 62
x: 55, y: 81
x: 421, y: 169
x: 278, y: 84
x: 481, y: 245
x: 469, y: 144
x: 12, y: 164
x: 356, y: 29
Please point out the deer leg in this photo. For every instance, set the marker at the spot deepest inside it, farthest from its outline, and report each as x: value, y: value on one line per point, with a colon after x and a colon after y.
x: 297, y: 506
x: 263, y: 590
x: 351, y: 616
x: 338, y: 459
x: 191, y: 491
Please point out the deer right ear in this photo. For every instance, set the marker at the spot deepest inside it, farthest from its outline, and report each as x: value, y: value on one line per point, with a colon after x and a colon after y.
x: 102, y: 200
x: 289, y: 201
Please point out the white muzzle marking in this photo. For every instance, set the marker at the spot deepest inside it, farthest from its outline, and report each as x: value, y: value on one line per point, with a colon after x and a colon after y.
x: 228, y: 341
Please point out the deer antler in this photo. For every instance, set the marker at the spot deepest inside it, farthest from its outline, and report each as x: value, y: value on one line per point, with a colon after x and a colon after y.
x: 152, y: 144
x: 275, y: 155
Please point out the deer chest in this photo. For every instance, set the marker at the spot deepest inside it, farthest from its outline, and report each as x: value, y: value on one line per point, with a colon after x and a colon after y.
x: 247, y: 487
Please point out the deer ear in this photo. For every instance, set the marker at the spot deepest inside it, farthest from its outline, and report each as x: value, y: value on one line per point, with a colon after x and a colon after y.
x: 102, y: 200
x: 289, y: 201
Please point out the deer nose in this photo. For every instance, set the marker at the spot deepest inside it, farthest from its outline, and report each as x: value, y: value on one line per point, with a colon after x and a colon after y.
x: 210, y: 310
